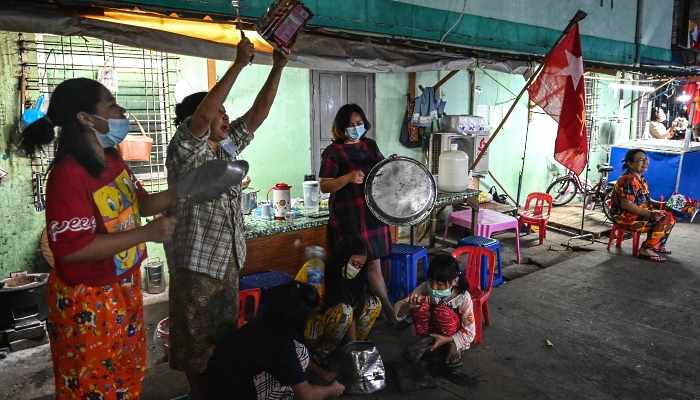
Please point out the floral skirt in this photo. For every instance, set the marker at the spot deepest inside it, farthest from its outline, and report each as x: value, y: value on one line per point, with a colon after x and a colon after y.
x: 98, y: 340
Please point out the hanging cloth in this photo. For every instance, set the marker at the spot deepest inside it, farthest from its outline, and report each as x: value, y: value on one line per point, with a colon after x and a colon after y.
x: 428, y: 108
x: 411, y: 136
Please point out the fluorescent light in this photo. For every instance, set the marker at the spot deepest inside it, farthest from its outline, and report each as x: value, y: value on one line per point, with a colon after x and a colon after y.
x: 632, y: 87
x: 684, y: 97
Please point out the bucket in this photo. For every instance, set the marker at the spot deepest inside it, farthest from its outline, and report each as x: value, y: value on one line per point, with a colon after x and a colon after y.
x: 311, y: 196
x: 155, y: 278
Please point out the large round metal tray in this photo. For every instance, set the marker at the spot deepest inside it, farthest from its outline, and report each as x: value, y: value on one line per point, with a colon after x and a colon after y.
x: 400, y: 191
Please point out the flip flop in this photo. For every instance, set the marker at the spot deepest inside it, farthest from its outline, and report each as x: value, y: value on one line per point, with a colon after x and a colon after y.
x: 663, y: 250
x: 455, y: 360
x: 654, y: 258
x: 415, y: 351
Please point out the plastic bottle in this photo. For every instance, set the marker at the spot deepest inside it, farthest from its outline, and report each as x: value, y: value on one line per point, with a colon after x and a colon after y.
x: 454, y: 170
x: 312, y: 272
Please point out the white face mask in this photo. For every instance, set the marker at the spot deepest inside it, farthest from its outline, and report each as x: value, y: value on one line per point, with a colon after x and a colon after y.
x: 350, y: 272
x: 118, y: 129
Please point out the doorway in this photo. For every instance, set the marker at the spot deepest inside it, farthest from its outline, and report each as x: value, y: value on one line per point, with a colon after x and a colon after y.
x: 330, y: 90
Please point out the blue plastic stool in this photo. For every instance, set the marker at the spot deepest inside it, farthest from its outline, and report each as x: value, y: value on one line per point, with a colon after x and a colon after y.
x: 404, y: 262
x: 491, y: 244
x: 268, y: 283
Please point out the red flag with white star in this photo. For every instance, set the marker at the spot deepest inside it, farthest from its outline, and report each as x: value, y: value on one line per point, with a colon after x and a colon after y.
x: 560, y: 91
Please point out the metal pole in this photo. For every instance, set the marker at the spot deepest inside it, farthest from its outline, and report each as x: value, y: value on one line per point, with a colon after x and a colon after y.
x: 522, y: 168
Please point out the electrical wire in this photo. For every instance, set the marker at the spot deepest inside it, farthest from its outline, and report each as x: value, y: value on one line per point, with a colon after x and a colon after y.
x: 456, y: 22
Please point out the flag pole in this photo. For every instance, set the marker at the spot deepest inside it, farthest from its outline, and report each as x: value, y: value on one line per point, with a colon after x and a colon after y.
x: 522, y: 168
x: 577, y: 17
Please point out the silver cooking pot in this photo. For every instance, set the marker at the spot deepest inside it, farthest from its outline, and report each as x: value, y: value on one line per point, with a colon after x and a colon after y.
x: 249, y: 199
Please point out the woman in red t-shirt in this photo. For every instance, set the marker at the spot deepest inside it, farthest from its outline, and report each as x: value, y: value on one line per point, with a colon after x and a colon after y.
x: 94, y: 206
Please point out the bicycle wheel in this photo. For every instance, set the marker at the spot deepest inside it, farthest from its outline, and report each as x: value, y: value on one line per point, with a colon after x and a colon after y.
x: 562, y: 190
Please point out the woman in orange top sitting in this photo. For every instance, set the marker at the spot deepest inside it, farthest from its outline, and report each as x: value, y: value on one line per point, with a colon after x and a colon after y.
x: 633, y: 209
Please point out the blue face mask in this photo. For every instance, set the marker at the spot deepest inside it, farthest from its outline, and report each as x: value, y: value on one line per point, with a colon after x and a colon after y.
x: 355, y: 132
x: 118, y: 129
x: 229, y: 147
x: 439, y: 293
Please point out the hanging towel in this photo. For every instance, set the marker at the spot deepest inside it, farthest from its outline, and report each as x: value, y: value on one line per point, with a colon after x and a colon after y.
x: 428, y: 108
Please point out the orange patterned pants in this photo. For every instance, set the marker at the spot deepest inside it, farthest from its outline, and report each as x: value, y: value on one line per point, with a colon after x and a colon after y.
x: 657, y: 231
x: 98, y: 341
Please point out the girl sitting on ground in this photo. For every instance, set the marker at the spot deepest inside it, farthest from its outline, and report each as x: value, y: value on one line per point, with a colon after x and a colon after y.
x: 350, y: 308
x: 442, y: 312
x: 264, y: 359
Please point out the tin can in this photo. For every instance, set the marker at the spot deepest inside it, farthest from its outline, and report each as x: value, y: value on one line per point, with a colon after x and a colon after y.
x: 282, y: 21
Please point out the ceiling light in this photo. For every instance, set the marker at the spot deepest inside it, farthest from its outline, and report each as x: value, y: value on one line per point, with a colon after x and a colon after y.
x: 632, y: 87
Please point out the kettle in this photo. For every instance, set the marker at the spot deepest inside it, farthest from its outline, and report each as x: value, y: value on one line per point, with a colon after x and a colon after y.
x: 281, y: 199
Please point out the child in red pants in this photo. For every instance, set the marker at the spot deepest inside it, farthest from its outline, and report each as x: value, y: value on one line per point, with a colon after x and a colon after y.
x: 442, y: 312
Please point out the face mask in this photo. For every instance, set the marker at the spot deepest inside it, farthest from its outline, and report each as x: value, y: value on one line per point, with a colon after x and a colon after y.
x: 355, y: 132
x: 439, y: 293
x: 350, y: 271
x: 118, y: 129
x: 229, y: 147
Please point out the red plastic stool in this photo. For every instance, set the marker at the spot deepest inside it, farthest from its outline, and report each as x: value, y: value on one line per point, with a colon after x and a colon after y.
x: 243, y: 297
x: 620, y: 235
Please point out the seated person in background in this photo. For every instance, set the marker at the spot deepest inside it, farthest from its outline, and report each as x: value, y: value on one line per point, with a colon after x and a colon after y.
x: 633, y: 209
x: 442, y: 312
x: 657, y: 130
x: 349, y: 309
x: 264, y: 359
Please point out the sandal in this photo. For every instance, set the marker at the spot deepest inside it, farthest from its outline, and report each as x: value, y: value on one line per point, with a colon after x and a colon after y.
x: 415, y: 351
x: 663, y: 250
x: 455, y: 360
x: 654, y: 258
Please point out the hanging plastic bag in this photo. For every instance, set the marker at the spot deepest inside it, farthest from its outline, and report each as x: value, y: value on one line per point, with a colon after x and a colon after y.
x: 107, y: 76
x: 182, y: 89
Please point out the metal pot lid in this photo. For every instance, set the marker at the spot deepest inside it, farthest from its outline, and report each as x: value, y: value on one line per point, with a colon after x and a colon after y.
x: 400, y: 191
x: 211, y: 180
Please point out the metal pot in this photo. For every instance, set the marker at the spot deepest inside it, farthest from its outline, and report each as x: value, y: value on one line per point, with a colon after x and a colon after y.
x: 249, y: 199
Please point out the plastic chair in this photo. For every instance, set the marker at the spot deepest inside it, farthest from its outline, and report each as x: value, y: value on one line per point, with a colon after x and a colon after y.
x: 491, y: 244
x: 620, y: 235
x: 480, y: 294
x: 244, y: 296
x: 404, y: 262
x: 488, y: 223
x: 537, y: 215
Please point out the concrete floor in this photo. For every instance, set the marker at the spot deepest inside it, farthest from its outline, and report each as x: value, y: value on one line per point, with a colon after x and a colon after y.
x: 621, y: 328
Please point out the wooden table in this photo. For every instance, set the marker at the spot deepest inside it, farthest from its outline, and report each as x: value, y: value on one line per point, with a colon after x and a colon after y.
x: 281, y: 245
x: 470, y: 196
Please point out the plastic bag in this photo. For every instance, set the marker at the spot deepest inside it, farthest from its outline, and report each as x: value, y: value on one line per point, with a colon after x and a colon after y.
x: 107, y: 76
x: 363, y: 370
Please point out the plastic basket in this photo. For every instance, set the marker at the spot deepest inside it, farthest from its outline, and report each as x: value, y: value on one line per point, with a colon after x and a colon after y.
x: 136, y: 147
x: 267, y: 282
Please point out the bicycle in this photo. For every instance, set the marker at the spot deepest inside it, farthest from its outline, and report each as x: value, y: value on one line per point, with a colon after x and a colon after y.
x: 566, y: 187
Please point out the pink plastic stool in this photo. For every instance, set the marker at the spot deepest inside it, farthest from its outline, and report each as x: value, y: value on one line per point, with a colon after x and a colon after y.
x: 488, y: 223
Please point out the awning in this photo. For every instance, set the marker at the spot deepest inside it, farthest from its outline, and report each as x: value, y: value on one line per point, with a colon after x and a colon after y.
x: 325, y: 50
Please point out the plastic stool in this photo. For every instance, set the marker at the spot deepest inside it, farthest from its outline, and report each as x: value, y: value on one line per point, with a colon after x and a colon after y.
x: 243, y: 298
x: 620, y: 235
x: 404, y: 261
x: 268, y: 283
x: 491, y: 244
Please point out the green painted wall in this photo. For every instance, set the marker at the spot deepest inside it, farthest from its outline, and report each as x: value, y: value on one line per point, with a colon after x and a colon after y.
x: 281, y: 151
x: 20, y: 223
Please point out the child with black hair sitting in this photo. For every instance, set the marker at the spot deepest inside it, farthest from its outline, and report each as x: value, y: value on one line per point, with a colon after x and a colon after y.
x: 442, y: 312
x: 264, y: 359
